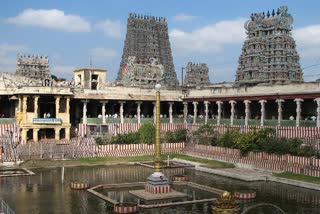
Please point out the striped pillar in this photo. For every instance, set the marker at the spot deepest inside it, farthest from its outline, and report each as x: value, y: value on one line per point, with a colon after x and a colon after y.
x: 195, y: 112
x: 263, y: 111
x: 219, y: 103
x: 318, y: 111
x: 232, y: 103
x: 206, y: 109
x: 279, y: 102
x: 247, y: 111
x: 298, y: 110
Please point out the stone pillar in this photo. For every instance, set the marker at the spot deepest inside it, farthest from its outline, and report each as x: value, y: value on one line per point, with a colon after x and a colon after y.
x: 170, y: 111
x: 263, y: 111
x: 279, y: 102
x: 219, y: 103
x: 232, y: 103
x: 298, y: 110
x: 195, y: 111
x: 24, y: 134
x: 247, y: 111
x: 103, y: 111
x: 20, y: 104
x: 36, y: 109
x: 84, y: 116
x: 206, y: 110
x: 318, y: 111
x: 185, y: 111
x: 67, y: 133
x: 24, y: 105
x: 154, y: 112
x: 35, y: 135
x: 139, y: 111
x: 57, y: 105
x: 121, y: 110
x: 57, y: 133
x: 68, y: 105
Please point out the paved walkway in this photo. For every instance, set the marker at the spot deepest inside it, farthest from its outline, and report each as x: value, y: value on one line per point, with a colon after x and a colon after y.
x: 250, y: 174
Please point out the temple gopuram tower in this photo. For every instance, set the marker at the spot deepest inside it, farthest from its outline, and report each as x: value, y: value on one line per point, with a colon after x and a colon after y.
x: 147, y: 39
x: 197, y: 74
x: 33, y: 66
x: 269, y: 52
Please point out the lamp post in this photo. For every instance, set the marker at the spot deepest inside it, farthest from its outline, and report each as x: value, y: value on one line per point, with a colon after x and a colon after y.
x: 157, y: 159
x: 157, y: 182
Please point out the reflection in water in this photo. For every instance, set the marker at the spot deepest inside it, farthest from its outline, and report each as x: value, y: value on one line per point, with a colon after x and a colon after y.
x: 45, y: 193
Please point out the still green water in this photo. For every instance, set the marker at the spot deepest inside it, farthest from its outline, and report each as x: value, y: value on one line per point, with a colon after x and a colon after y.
x: 45, y: 193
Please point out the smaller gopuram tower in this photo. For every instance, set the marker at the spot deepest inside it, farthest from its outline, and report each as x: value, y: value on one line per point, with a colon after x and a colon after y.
x: 33, y: 66
x: 269, y: 53
x: 197, y: 74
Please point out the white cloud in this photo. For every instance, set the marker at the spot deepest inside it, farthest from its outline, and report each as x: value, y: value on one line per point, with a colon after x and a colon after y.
x: 308, y: 41
x: 112, y: 29
x: 52, y: 19
x: 63, y: 71
x: 8, y: 54
x: 6, y: 48
x: 208, y: 39
x: 181, y: 17
x: 102, y: 54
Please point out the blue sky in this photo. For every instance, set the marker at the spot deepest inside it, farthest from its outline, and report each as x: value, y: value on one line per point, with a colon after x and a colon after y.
x: 71, y: 32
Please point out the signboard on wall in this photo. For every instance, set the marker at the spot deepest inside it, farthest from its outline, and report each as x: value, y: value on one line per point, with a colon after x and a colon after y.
x: 47, y: 120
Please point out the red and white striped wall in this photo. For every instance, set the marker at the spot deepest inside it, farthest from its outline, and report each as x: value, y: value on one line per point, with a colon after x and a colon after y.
x: 282, y: 131
x: 13, y: 128
x: 157, y: 189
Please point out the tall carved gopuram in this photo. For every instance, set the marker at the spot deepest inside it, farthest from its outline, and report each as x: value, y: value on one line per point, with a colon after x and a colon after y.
x: 147, y: 42
x: 269, y: 52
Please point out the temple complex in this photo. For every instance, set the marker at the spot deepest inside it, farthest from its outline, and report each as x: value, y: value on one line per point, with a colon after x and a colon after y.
x: 269, y: 52
x: 197, y: 74
x: 58, y: 109
x: 33, y: 66
x: 147, y: 39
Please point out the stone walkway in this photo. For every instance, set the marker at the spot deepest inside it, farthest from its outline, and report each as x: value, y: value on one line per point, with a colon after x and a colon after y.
x: 250, y: 175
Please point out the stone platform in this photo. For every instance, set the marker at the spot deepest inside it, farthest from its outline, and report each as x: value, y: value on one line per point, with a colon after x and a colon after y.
x: 149, y: 196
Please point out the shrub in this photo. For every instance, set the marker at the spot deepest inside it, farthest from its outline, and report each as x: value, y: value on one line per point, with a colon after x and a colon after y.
x: 229, y: 138
x: 206, y: 135
x: 147, y: 133
x: 176, y: 136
